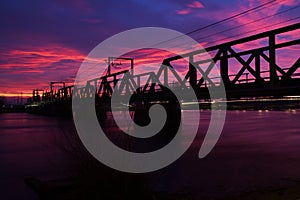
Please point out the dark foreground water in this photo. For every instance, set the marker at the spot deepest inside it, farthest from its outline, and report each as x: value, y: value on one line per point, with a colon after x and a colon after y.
x: 257, y: 150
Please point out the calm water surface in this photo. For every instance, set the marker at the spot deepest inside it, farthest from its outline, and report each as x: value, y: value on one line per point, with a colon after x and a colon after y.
x: 256, y: 150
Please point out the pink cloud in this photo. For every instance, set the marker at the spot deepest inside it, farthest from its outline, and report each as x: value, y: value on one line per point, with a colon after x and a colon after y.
x: 189, y: 8
x: 195, y: 4
x: 39, y: 57
x: 288, y: 2
x: 37, y: 66
x: 183, y: 11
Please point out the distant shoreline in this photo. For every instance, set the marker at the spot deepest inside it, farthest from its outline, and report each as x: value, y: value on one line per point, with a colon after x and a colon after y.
x: 246, y: 105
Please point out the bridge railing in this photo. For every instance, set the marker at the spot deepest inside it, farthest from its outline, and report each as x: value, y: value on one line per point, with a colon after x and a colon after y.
x: 249, y: 68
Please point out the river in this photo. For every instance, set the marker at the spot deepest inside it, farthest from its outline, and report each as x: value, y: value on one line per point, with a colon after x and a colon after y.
x: 257, y: 149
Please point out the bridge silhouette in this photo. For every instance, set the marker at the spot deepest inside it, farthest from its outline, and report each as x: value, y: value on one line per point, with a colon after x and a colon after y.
x: 249, y: 81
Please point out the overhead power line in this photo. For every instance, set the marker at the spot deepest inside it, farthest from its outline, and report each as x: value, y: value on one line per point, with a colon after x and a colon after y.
x: 221, y: 21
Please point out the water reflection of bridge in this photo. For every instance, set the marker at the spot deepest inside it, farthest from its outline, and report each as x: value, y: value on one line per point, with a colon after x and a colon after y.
x: 258, y: 75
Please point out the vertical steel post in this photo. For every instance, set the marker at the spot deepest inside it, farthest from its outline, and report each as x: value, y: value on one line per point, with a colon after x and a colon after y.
x: 257, y: 66
x: 192, y: 72
x: 272, y: 55
x: 224, y: 68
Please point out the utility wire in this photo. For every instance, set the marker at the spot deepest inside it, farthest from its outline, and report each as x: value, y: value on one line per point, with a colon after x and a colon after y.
x: 219, y: 22
x: 259, y: 28
x: 239, y: 26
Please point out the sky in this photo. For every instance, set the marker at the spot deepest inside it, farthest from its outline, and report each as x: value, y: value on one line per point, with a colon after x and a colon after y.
x: 43, y: 41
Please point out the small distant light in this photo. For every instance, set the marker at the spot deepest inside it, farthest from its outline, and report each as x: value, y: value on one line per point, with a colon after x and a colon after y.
x: 260, y: 111
x: 266, y: 110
